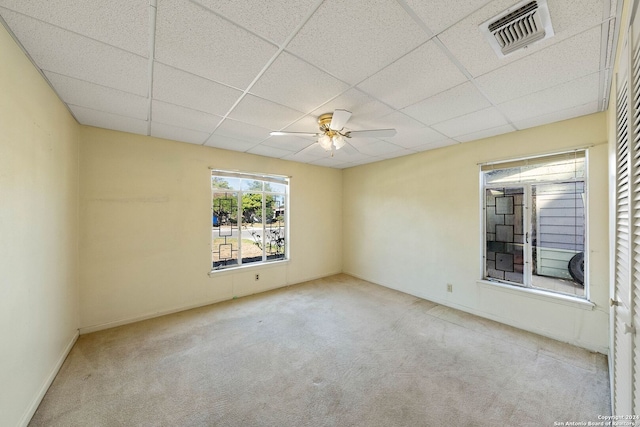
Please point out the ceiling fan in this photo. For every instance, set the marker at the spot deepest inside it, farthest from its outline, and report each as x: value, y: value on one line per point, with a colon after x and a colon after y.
x: 332, y: 133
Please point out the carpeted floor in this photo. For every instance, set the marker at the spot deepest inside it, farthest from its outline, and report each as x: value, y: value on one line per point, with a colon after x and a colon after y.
x: 332, y: 352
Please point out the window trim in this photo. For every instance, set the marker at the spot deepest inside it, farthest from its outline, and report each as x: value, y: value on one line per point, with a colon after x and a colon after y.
x: 273, y: 178
x: 517, y: 288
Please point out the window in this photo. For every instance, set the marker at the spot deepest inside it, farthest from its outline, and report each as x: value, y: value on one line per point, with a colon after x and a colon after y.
x: 248, y: 219
x: 534, y: 222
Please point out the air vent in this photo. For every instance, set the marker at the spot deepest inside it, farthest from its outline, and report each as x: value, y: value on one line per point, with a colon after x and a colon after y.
x: 517, y: 27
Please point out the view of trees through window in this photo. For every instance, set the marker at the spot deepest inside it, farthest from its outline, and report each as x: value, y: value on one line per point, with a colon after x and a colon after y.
x: 248, y: 219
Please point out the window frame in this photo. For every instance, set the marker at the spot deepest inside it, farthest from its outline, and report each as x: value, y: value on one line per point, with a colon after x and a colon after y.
x: 528, y: 287
x: 264, y: 179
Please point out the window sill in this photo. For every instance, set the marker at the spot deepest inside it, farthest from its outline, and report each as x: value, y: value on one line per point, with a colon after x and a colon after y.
x: 243, y: 268
x: 539, y: 294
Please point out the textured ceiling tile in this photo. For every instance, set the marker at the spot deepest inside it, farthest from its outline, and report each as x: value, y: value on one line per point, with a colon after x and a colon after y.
x: 433, y: 145
x: 120, y: 23
x: 303, y: 157
x: 179, y: 87
x: 470, y: 47
x: 296, y: 84
x: 567, y: 95
x: 485, y: 133
x: 260, y: 16
x: 440, y: 14
x: 557, y: 64
x: 243, y: 131
x: 175, y: 115
x: 416, y: 76
x: 90, y: 95
x: 360, y: 104
x: 460, y: 100
x: 193, y: 39
x: 330, y: 162
x: 409, y: 138
x: 395, y: 120
x: 263, y: 150
x: 175, y: 133
x: 228, y: 143
x: 263, y: 113
x: 104, y: 120
x: 290, y: 143
x: 354, y: 39
x: 473, y: 122
x: 590, y: 108
x: 81, y: 57
x: 373, y: 147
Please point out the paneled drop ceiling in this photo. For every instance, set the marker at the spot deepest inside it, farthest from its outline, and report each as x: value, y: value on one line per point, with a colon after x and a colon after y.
x: 225, y: 73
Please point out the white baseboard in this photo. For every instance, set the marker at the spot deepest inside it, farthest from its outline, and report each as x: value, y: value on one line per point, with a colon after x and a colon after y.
x: 47, y: 383
x: 116, y: 323
x: 505, y: 321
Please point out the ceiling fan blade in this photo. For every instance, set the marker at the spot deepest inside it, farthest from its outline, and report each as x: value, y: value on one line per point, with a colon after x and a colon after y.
x: 376, y: 133
x: 278, y: 133
x: 339, y: 119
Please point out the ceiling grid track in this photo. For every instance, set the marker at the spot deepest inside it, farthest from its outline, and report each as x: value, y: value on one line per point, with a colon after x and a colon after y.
x: 281, y: 49
x: 153, y: 13
x: 453, y: 59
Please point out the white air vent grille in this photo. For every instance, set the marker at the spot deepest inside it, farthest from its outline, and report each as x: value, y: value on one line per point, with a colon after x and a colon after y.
x: 519, y: 26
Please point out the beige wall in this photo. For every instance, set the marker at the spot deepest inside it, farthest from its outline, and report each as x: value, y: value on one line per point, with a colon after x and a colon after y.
x: 413, y: 224
x: 146, y: 227
x: 38, y: 225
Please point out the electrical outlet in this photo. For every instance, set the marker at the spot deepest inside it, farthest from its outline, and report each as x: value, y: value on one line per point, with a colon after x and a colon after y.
x: 257, y: 277
x: 449, y: 287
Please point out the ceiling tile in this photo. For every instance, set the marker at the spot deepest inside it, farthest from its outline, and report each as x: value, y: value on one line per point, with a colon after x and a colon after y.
x: 120, y: 23
x: 330, y: 162
x: 191, y: 38
x: 263, y: 113
x: 438, y: 15
x: 175, y: 115
x: 486, y: 133
x: 243, y: 131
x: 296, y: 84
x: 307, y: 155
x: 90, y: 95
x: 290, y: 143
x: 472, y: 122
x: 470, y: 47
x: 360, y: 104
x: 421, y: 73
x: 81, y: 58
x: 373, y: 146
x: 409, y: 138
x: 161, y: 130
x: 400, y: 153
x: 395, y: 120
x: 557, y: 64
x: 433, y: 145
x: 263, y: 150
x: 460, y: 100
x: 105, y: 120
x: 260, y: 17
x: 354, y: 39
x: 181, y: 88
x: 590, y: 108
x: 229, y: 143
x: 567, y: 95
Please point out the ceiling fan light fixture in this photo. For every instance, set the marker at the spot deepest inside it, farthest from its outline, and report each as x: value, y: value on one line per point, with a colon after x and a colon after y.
x: 338, y: 141
x: 325, y: 142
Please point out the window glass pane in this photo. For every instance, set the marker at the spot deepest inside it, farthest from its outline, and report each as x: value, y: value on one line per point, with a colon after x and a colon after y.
x: 505, y: 234
x: 275, y: 187
x: 251, y: 185
x: 224, y: 229
x: 219, y: 183
x: 558, y: 170
x: 252, y: 230
x: 275, y: 227
x: 558, y: 232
